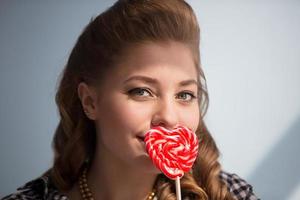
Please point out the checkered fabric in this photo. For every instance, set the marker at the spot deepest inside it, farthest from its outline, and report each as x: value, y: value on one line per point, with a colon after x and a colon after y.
x: 238, y: 187
x: 43, y: 189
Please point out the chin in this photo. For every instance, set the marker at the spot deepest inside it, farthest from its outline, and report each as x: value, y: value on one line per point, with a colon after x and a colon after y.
x: 144, y: 163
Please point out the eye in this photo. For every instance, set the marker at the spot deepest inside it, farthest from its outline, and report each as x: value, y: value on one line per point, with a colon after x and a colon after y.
x: 187, y: 96
x: 141, y: 92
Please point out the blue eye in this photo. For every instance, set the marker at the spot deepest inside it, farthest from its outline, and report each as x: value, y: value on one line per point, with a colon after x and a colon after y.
x: 139, y: 92
x: 143, y: 92
x: 187, y: 96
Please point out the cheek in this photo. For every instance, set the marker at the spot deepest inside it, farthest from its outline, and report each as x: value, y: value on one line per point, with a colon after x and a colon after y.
x: 191, y: 118
x: 123, y: 114
x: 131, y: 111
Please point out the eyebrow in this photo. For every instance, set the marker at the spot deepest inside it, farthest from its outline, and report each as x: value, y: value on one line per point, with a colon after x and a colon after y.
x: 154, y: 81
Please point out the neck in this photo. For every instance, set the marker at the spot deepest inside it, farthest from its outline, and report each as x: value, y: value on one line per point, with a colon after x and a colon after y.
x: 110, y: 178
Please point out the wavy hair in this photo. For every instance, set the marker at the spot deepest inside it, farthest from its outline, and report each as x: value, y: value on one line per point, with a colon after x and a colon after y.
x: 98, y: 48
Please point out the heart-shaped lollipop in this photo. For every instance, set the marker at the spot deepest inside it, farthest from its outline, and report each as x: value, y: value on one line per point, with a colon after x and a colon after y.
x: 172, y: 151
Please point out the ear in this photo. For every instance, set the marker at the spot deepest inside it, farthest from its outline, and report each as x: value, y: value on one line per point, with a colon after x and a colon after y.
x: 88, y: 98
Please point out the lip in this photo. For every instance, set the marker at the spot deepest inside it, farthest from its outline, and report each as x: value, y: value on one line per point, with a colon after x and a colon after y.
x: 141, y: 138
x: 142, y: 142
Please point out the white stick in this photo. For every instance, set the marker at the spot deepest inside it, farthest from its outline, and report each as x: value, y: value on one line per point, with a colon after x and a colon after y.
x: 178, y: 191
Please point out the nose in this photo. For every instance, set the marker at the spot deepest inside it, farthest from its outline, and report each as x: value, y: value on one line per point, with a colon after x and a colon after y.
x: 165, y: 115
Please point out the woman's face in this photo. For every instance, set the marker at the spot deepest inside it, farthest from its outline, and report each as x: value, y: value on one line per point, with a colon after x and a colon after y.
x: 154, y: 84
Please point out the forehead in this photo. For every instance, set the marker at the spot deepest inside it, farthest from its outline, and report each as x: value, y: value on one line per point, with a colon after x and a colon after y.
x: 168, y: 63
x: 155, y: 58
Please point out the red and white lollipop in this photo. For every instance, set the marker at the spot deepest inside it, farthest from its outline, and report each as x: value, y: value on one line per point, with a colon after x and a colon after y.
x: 172, y: 151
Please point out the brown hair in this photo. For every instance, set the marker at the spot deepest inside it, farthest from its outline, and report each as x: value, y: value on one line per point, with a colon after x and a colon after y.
x: 103, y: 41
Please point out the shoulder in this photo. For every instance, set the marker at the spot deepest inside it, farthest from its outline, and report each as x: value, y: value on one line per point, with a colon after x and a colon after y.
x: 39, y: 188
x: 238, y: 187
x: 32, y: 190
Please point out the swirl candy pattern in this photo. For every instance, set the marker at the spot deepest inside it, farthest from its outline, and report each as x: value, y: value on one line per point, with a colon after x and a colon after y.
x: 172, y: 151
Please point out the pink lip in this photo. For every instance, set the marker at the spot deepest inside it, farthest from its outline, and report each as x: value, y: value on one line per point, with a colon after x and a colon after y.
x: 140, y: 138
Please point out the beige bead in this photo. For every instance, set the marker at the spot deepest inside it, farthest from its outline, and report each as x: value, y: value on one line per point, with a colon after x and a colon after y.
x: 86, y: 193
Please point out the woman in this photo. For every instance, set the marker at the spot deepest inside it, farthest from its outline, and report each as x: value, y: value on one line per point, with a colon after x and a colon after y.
x: 135, y: 66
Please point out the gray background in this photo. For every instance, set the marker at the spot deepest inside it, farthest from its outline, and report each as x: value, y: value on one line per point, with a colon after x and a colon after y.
x: 250, y: 55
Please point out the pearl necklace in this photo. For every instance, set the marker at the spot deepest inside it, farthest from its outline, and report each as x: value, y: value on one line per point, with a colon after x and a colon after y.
x: 86, y: 193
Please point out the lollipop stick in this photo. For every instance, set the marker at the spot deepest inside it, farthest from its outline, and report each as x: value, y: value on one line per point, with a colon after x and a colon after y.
x: 178, y: 191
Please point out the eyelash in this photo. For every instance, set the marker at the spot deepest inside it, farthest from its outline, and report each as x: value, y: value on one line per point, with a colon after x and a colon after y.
x: 134, y: 90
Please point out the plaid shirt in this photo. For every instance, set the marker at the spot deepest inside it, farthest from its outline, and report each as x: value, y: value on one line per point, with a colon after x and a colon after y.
x: 238, y: 187
x: 43, y: 188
